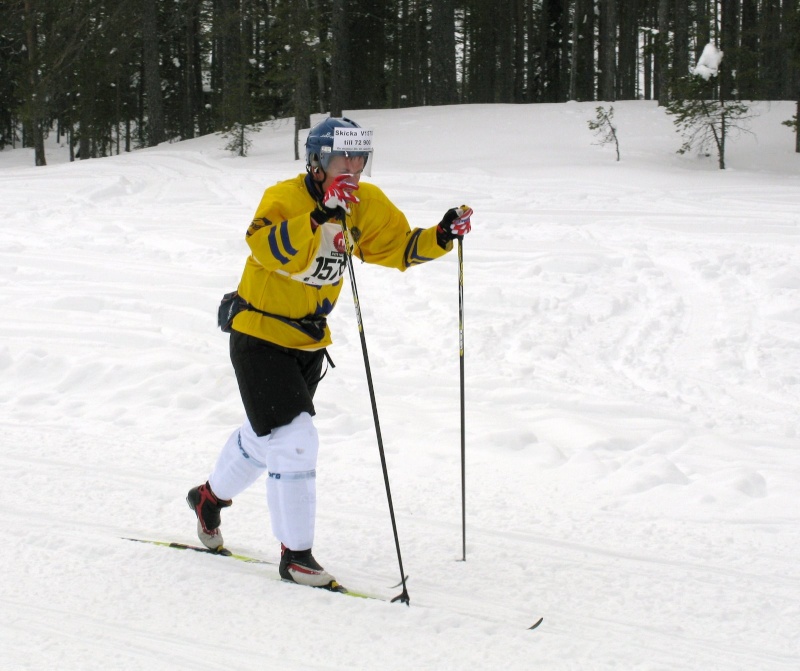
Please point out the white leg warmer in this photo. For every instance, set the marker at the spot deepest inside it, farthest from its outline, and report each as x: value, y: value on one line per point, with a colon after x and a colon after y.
x: 291, y: 486
x: 240, y: 463
x: 290, y: 455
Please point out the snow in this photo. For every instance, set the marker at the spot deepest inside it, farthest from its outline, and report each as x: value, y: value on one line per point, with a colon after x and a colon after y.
x: 632, y: 384
x: 708, y: 63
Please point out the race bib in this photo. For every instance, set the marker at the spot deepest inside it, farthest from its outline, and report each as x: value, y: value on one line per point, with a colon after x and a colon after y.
x: 331, y: 260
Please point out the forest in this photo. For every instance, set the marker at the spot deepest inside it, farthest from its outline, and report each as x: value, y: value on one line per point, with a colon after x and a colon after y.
x: 109, y: 76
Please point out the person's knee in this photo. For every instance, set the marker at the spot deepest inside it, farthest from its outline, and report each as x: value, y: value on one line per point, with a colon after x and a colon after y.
x: 293, y: 447
x: 252, y: 446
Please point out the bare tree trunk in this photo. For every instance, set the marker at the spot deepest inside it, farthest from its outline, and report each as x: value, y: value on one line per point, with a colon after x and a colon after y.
x: 703, y: 23
x: 421, y: 90
x: 747, y: 74
x: 722, y: 125
x: 797, y: 128
x: 647, y: 64
x: 487, y: 45
x: 302, y: 75
x: 729, y: 43
x: 662, y: 46
x: 232, y: 67
x: 118, y: 112
x: 680, y: 57
x: 551, y: 36
x: 627, y: 45
x: 189, y: 103
x: 443, y: 53
x: 788, y: 25
x: 84, y: 141
x: 770, y: 74
x: 503, y: 29
x: 566, y: 60
x: 34, y: 105
x: 340, y: 61
x: 573, y: 60
x: 587, y: 45
x: 200, y: 112
x: 152, y: 73
x: 519, y: 51
x: 608, y: 50
x: 319, y: 59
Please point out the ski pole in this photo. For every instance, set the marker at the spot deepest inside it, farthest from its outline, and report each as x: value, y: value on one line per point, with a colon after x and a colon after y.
x: 403, y: 597
x: 461, y: 371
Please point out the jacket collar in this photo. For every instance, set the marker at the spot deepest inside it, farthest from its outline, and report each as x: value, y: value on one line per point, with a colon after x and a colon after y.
x: 313, y: 189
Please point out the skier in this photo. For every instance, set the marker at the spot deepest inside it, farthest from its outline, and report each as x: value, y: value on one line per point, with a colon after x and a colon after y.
x: 278, y: 333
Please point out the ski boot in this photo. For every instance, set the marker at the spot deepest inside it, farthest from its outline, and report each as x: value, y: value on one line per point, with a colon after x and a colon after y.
x: 207, y: 507
x: 299, y: 566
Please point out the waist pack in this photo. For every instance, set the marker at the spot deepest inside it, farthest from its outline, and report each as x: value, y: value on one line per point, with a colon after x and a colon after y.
x: 232, y: 304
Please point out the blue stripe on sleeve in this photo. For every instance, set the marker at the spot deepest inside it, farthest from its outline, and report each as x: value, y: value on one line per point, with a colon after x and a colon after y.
x: 273, y: 247
x: 287, y: 245
x: 413, y: 258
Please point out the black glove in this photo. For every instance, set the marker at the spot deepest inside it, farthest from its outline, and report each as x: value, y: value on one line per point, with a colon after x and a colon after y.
x: 324, y: 214
x: 454, y: 225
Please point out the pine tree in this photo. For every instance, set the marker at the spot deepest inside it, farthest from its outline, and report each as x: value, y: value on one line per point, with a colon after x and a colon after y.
x: 703, y: 118
x: 604, y: 128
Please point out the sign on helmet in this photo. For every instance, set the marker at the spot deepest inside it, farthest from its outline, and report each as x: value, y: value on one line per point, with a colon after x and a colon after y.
x: 338, y: 136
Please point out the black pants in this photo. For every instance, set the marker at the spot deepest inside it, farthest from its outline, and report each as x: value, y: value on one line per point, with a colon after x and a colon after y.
x: 276, y: 383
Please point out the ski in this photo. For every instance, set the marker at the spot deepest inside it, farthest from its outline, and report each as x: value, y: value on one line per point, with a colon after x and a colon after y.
x: 224, y: 552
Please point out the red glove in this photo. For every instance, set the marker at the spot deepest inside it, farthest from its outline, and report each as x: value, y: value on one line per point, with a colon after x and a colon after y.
x: 454, y: 224
x: 340, y: 193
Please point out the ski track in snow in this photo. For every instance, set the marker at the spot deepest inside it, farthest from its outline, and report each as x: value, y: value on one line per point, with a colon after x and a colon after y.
x: 632, y: 356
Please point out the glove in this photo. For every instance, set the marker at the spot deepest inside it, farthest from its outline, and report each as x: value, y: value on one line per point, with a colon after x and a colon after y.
x: 340, y: 193
x: 454, y: 225
x: 335, y: 200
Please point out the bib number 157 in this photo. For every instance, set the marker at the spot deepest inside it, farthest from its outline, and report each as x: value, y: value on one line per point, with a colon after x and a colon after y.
x: 329, y: 268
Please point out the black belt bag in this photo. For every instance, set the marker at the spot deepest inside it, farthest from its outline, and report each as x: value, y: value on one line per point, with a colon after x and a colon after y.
x: 232, y: 304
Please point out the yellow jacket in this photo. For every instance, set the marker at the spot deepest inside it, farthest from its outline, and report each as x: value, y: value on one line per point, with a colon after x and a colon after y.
x: 294, y: 272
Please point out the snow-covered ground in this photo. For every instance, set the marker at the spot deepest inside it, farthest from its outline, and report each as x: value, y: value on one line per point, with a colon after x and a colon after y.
x: 633, y: 406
